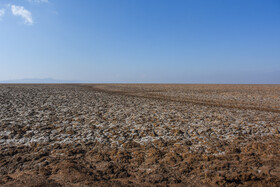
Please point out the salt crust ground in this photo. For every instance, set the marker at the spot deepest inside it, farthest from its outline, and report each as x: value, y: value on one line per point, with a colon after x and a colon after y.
x: 139, y: 135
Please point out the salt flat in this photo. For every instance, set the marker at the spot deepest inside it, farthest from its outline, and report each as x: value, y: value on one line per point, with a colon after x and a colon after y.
x: 139, y: 134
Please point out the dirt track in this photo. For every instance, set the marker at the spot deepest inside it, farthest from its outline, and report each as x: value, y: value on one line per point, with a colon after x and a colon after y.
x: 141, y: 135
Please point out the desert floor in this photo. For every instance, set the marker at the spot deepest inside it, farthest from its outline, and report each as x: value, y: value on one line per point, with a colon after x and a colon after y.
x: 139, y: 135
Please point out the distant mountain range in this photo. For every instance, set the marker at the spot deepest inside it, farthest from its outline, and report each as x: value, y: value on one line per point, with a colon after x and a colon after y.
x: 47, y: 80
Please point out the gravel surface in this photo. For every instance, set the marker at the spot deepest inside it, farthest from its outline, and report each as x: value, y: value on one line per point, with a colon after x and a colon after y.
x: 139, y: 135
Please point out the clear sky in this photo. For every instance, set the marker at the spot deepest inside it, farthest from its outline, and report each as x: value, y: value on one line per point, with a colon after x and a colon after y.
x: 164, y: 41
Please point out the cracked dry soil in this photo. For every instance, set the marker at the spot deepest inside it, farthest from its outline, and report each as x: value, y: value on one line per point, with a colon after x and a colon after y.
x: 139, y: 135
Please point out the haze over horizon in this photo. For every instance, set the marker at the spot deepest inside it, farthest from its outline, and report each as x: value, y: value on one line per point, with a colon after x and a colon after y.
x: 131, y: 41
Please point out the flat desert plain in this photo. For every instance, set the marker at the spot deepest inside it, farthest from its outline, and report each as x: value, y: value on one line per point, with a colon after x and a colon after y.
x: 139, y: 135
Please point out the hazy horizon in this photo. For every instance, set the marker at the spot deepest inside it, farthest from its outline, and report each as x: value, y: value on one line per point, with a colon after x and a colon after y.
x: 130, y: 41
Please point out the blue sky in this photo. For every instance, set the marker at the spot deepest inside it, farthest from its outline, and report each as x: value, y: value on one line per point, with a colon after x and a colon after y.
x: 164, y: 41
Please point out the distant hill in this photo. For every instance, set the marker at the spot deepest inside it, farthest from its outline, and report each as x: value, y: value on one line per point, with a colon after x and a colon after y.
x: 34, y: 80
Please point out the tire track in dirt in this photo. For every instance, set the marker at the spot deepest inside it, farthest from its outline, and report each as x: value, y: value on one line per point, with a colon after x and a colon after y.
x: 203, y: 102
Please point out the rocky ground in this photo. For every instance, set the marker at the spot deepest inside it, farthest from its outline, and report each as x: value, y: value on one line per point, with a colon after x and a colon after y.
x: 139, y: 135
